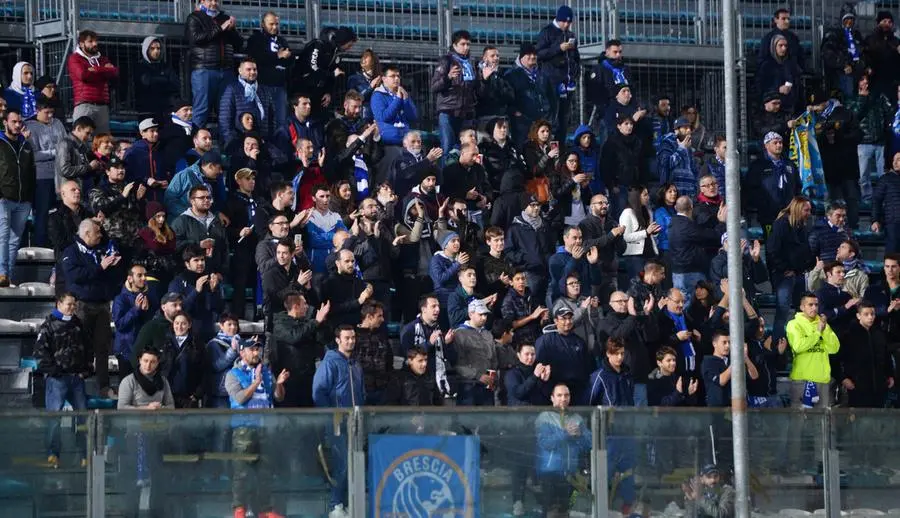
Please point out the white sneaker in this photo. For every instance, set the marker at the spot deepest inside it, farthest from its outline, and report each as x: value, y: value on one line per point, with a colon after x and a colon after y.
x: 518, y: 508
x: 338, y: 512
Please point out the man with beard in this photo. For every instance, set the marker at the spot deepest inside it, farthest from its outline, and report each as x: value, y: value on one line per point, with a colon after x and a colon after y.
x: 372, y: 246
x: 283, y: 277
x: 467, y: 180
x: 120, y: 204
x: 246, y: 95
x: 91, y: 73
x: 201, y: 292
x: 133, y: 307
x: 425, y: 332
x: 625, y: 323
x: 410, y: 167
x: 345, y: 291
x: 265, y: 249
x: 317, y: 66
x: 354, y: 147
x: 675, y: 160
x: 881, y: 54
x: 273, y: 55
x: 241, y: 211
x: 662, y: 120
x: 477, y: 364
x: 604, y: 82
x: 535, y: 97
x: 605, y: 234
x: 156, y: 85
x: 296, y: 340
x: 197, y: 225
x: 301, y: 126
x: 373, y: 351
x: 143, y: 162
x: 282, y: 196
x: 495, y: 94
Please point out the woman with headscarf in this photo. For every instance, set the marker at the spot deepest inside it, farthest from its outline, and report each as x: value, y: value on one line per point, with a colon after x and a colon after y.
x: 21, y: 95
x: 156, y: 85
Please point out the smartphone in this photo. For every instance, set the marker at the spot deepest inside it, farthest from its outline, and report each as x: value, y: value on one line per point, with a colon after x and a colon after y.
x: 298, y: 240
x: 554, y: 144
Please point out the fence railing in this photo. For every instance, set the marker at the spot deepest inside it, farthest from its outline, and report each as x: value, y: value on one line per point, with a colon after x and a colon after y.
x: 173, y: 461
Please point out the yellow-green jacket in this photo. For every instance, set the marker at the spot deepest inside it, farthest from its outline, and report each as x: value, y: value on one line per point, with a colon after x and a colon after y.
x: 811, y: 349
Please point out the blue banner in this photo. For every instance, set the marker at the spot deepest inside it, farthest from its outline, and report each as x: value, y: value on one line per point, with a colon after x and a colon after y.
x: 424, y: 476
x: 805, y: 153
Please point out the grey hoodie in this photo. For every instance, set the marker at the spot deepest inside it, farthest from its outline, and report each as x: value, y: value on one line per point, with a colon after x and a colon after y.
x: 145, y: 47
x: 44, y: 139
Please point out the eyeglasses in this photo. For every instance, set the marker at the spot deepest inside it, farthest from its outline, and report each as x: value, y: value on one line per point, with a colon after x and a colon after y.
x: 573, y: 283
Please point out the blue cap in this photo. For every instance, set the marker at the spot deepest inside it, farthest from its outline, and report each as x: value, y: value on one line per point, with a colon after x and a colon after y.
x: 564, y: 14
x: 681, y: 122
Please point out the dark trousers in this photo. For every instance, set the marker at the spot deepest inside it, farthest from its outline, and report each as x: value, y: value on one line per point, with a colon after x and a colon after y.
x: 243, y: 276
x: 892, y: 237
x: 95, y: 318
x: 44, y: 200
x: 788, y: 291
x: 251, y: 484
x: 410, y: 289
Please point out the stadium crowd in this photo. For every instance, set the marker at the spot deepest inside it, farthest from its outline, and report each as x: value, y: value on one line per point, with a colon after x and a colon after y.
x: 525, y: 268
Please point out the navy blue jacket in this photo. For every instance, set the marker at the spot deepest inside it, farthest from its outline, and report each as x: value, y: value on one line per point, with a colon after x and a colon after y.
x: 687, y: 244
x: 831, y: 303
x: 603, y: 84
x: 562, y: 264
x: 661, y: 390
x: 523, y: 388
x: 203, y: 307
x: 824, y: 240
x: 788, y: 248
x: 184, y: 369
x: 886, y: 199
x: 768, y: 190
x: 533, y: 99
x: 220, y: 358
x: 569, y: 359
x: 143, y: 161
x: 610, y: 388
x: 129, y: 319
x: 84, y: 276
x: 442, y: 271
x: 233, y: 104
x: 717, y: 395
x: 528, y: 248
x: 559, y: 67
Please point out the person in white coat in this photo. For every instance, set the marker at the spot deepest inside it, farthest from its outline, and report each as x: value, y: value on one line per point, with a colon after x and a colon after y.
x: 640, y: 232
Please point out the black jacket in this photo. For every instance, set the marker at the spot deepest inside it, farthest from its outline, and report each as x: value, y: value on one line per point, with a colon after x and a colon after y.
x: 155, y: 88
x: 687, y: 244
x: 408, y: 389
x: 238, y: 208
x: 297, y: 344
x: 340, y: 163
x: 511, y: 200
x: 263, y: 48
x: 886, y: 199
x: 621, y: 162
x: 602, y: 83
x: 523, y: 388
x: 459, y: 180
x: 636, y: 331
x: 343, y: 291
x: 211, y: 47
x: 598, y: 233
x: 763, y: 122
x: 865, y: 360
x: 499, y: 161
x: 754, y: 272
x: 373, y: 254
x: 313, y: 71
x: 795, y: 51
x: 881, y: 56
x: 456, y: 97
x: 839, y: 160
x: 495, y: 95
x: 62, y: 347
x: 18, y: 172
x: 787, y: 249
x: 528, y: 248
x: 62, y: 226
x: 767, y: 189
x: 375, y: 356
x: 836, y: 54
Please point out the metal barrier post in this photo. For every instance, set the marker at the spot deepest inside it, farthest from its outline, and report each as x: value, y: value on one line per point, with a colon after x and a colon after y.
x: 356, y: 468
x: 613, y: 19
x: 831, y: 463
x: 701, y: 23
x: 313, y: 12
x: 744, y: 129
x: 599, y: 475
x: 448, y: 25
x: 96, y: 466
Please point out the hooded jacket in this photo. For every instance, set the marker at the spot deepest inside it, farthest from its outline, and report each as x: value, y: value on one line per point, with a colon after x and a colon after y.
x: 263, y: 48
x: 836, y: 53
x: 523, y: 388
x: 313, y: 72
x: 90, y: 77
x: 338, y: 382
x: 416, y: 252
x: 393, y: 115
x: 156, y: 86
x: 512, y: 198
x: 18, y: 171
x: 456, y: 97
x: 775, y: 71
x: 607, y: 387
x: 405, y: 388
x: 20, y: 97
x: 559, y: 452
x: 811, y: 349
x: 62, y: 347
x: 44, y: 140
x: 211, y: 47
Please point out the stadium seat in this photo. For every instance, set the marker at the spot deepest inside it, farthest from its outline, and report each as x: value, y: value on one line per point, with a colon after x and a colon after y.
x: 35, y: 254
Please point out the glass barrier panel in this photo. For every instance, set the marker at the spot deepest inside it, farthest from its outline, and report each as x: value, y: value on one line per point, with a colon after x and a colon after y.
x: 869, y: 454
x: 205, y: 463
x: 442, y: 462
x: 43, y: 466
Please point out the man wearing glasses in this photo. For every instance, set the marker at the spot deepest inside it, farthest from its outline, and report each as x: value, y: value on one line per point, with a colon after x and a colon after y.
x: 604, y: 233
x: 198, y: 225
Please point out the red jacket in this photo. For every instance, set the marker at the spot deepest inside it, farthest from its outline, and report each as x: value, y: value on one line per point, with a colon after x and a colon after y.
x: 90, y: 84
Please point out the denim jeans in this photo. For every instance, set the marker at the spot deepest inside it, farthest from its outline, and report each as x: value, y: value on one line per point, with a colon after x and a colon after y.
x: 640, y: 395
x: 449, y: 128
x: 633, y: 266
x: 686, y: 283
x: 58, y: 390
x: 866, y: 153
x: 280, y: 104
x: 44, y: 200
x: 206, y: 88
x: 788, y: 291
x: 337, y: 467
x: 13, y: 216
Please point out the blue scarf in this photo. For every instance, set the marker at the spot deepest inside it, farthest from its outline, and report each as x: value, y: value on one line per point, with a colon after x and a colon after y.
x: 361, y: 177
x: 58, y: 314
x: 468, y: 71
x: 251, y: 94
x: 829, y: 108
x: 810, y: 395
x: 895, y: 126
x: 531, y: 74
x: 260, y: 398
x: 687, y: 347
x: 851, y: 44
x: 856, y: 263
x: 212, y: 13
x: 617, y: 72
x: 29, y: 107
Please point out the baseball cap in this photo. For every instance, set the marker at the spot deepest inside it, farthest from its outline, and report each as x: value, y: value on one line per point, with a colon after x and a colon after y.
x: 147, y: 124
x: 115, y: 161
x: 211, y: 157
x: 244, y: 344
x: 563, y: 311
x: 172, y: 296
x: 681, y: 122
x: 478, y: 306
x: 244, y: 173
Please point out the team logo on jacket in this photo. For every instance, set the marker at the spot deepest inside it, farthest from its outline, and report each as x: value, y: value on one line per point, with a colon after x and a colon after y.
x: 424, y: 476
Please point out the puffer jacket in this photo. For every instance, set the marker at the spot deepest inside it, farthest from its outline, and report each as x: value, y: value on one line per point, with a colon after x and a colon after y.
x: 835, y: 51
x: 156, y: 86
x: 62, y: 346
x: 499, y: 161
x: 122, y: 214
x: 621, y: 163
x: 18, y: 171
x: 456, y: 97
x: 73, y: 159
x: 90, y: 78
x: 406, y: 388
x: 211, y: 47
x: 534, y: 96
x: 886, y: 199
x: 559, y: 452
x: 220, y: 358
x: 873, y: 113
x: 234, y: 104
x: 560, y: 67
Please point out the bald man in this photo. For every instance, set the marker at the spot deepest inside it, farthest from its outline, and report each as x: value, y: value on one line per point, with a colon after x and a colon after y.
x: 675, y: 330
x: 688, y: 243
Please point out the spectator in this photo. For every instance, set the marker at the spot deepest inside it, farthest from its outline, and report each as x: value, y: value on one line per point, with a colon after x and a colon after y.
x: 779, y: 72
x: 687, y: 243
x: 64, y: 358
x: 119, y: 205
x: 766, y: 356
x: 247, y: 95
x: 589, y: 157
x: 512, y: 197
x: 467, y: 180
x: 158, y: 246
x: 393, y: 109
x: 771, y: 118
x: 525, y: 312
x: 856, y: 273
x: 45, y: 87
x: 345, y: 291
x: 425, y: 332
x: 250, y: 385
x: 415, y: 254
x: 317, y: 66
x: 698, y: 131
x: 562, y: 439
x: 494, y: 270
x: 214, y: 41
x: 198, y: 226
x: 295, y: 335
x: 605, y: 234
x: 715, y: 165
x: 62, y: 226
x: 811, y: 340
x: 46, y: 132
x: 566, y: 353
x: 880, y: 50
x: 585, y: 310
x: 300, y: 125
x: 535, y: 97
x: 523, y: 382
x: 204, y: 173
x: 338, y: 383
x: 871, y: 110
x: 157, y: 86
x: 176, y: 136
x: 374, y: 352
x: 624, y: 322
x: 648, y: 283
x: 788, y: 257
x: 675, y: 330
x: 374, y: 249
x: 91, y: 276
x: 495, y: 94
x: 21, y: 94
x: 146, y: 387
x: 572, y: 257
x: 662, y: 120
x: 606, y: 78
x: 837, y: 145
x: 666, y: 197
x: 17, y: 175
x: 310, y: 174
x: 541, y: 159
x: 355, y: 147
x: 321, y: 226
x: 625, y: 104
x: 500, y: 156
x: 886, y: 206
x: 707, y: 496
x: 456, y: 86
x: 752, y: 267
x: 132, y: 308
x: 717, y: 371
x: 221, y: 354
x: 529, y: 244
x: 74, y: 160
x: 771, y: 182
x: 674, y: 157
x: 144, y: 162
x: 155, y: 333
x: 412, y: 165
x: 843, y: 53
x: 781, y: 26
x: 444, y: 267
x: 182, y: 363
x: 91, y: 73
x: 640, y: 231
x: 201, y: 291
x: 621, y: 162
x: 366, y: 80
x: 459, y: 300
x: 282, y: 277
x: 570, y: 190
x: 665, y: 386
x: 201, y: 140
x: 829, y: 233
x: 272, y: 54
x: 557, y: 53
x: 835, y: 303
x: 412, y: 385
x: 865, y: 366
x: 477, y: 358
